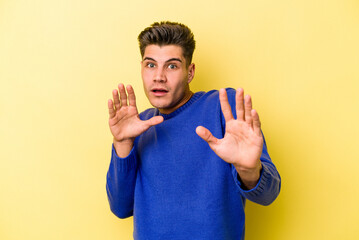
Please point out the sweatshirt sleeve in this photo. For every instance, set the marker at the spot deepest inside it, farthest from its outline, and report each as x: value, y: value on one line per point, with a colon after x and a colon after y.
x: 120, y: 183
x: 268, y: 186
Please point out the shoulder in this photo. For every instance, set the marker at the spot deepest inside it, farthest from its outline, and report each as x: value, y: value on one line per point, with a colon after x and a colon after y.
x: 230, y: 91
x: 213, y: 95
x: 212, y: 100
x: 148, y: 113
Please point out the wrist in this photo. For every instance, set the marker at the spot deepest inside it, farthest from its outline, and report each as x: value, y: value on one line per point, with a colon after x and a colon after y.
x: 249, y: 177
x: 123, y: 148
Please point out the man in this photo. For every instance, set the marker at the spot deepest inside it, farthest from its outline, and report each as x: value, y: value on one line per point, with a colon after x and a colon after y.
x: 185, y: 168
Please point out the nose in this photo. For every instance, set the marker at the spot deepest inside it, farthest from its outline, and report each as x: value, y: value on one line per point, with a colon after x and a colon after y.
x: 160, y: 75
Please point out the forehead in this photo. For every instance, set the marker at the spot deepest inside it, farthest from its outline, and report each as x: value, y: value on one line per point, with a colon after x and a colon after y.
x: 163, y: 53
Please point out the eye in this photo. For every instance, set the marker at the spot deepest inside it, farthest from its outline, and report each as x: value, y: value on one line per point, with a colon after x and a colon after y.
x: 172, y: 66
x: 150, y: 65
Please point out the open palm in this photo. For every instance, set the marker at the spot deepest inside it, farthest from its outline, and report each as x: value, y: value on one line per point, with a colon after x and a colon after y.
x: 124, y: 121
x: 243, y: 141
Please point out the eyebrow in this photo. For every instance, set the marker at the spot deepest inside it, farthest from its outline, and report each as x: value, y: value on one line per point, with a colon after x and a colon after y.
x: 169, y: 60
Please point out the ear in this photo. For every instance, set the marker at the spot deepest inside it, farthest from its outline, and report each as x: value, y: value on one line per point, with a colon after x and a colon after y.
x: 191, y: 71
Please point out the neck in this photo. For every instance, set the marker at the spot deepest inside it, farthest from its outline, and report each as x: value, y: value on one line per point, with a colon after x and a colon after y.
x: 185, y: 99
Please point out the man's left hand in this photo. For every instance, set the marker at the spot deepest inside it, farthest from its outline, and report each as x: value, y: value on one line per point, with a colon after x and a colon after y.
x: 243, y: 141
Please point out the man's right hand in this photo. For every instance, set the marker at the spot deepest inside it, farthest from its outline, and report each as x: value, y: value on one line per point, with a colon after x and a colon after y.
x: 124, y: 121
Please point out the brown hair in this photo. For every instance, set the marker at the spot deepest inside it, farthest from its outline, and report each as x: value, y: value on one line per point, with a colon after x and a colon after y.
x: 169, y: 33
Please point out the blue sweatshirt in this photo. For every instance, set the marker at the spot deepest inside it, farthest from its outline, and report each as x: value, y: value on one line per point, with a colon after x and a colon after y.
x: 176, y: 187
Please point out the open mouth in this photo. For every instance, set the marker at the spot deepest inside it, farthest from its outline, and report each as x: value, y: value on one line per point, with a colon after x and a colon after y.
x: 159, y: 90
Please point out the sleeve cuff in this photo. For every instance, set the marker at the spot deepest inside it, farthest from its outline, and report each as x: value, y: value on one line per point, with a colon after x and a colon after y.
x: 258, y: 189
x: 124, y: 164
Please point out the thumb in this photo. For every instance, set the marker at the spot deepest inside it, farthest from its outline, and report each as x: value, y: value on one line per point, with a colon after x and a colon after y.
x: 206, y: 135
x: 154, y: 121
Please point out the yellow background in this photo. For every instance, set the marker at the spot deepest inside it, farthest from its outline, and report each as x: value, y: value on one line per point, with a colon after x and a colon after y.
x: 59, y: 61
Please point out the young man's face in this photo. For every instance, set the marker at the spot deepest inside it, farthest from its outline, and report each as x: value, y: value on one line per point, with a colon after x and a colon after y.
x: 166, y: 77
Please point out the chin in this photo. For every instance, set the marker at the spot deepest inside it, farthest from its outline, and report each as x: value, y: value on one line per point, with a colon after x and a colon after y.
x: 159, y: 104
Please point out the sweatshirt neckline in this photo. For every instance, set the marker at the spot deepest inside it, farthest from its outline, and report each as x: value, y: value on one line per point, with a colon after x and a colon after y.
x: 193, y: 99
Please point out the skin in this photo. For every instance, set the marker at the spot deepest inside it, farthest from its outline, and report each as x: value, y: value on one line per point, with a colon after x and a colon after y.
x: 164, y: 68
x: 243, y: 141
x: 166, y: 79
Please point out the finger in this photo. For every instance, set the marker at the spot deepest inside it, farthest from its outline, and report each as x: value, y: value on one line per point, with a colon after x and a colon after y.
x: 239, y: 104
x: 123, y: 95
x: 256, y: 122
x: 146, y: 124
x: 226, y: 108
x: 206, y: 135
x: 111, y: 110
x: 116, y: 99
x: 248, y: 109
x: 131, y: 96
x: 153, y: 121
